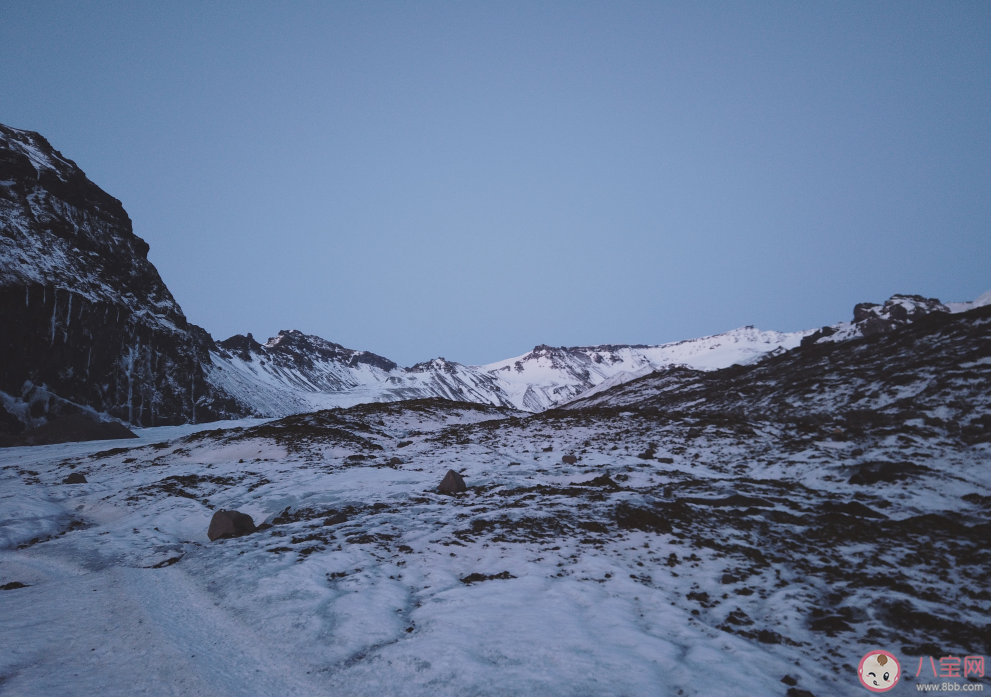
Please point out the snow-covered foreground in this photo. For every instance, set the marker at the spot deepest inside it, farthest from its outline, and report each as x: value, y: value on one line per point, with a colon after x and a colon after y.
x: 698, y: 567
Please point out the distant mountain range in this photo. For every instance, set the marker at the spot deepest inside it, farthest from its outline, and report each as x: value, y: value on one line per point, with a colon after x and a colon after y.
x: 295, y: 372
x: 87, y: 324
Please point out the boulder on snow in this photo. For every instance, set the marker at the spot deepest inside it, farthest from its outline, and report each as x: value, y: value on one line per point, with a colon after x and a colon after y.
x: 569, y: 459
x: 230, y: 524
x: 75, y: 478
x: 452, y: 483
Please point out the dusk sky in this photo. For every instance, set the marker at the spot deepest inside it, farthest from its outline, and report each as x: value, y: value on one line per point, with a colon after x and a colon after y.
x: 470, y: 179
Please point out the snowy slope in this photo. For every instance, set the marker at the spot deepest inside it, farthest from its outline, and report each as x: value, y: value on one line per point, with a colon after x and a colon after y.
x: 980, y: 301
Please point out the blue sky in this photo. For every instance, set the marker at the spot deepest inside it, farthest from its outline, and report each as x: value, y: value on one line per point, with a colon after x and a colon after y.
x: 472, y: 179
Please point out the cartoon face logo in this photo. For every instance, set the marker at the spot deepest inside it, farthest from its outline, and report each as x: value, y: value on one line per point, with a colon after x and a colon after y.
x: 879, y: 671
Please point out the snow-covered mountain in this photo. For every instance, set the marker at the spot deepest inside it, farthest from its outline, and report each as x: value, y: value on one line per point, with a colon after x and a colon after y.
x: 294, y: 372
x: 938, y: 365
x: 547, y: 376
x: 745, y: 513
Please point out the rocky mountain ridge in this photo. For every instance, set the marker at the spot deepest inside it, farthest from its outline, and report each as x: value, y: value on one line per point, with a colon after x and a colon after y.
x: 295, y: 372
x: 87, y: 322
x: 289, y: 374
x: 89, y: 326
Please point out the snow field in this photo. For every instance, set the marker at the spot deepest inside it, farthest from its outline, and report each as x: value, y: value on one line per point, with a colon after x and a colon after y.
x: 310, y: 608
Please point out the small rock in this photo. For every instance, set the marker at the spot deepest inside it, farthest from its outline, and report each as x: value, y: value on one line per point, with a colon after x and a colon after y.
x: 452, y: 483
x: 766, y: 636
x: 477, y: 577
x: 336, y: 519
x: 602, y: 480
x: 790, y: 681
x: 230, y: 524
x: 729, y: 578
x: 75, y: 478
x: 795, y: 692
x: 13, y: 585
x: 569, y: 459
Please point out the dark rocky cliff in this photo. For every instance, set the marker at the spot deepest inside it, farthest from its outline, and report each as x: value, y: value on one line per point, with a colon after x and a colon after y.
x: 85, y: 319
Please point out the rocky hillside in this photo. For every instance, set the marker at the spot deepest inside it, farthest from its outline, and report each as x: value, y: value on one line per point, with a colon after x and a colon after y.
x: 87, y: 321
x: 916, y: 376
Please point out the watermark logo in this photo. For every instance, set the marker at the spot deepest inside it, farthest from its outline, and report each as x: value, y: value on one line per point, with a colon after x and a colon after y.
x: 949, y: 667
x: 879, y: 671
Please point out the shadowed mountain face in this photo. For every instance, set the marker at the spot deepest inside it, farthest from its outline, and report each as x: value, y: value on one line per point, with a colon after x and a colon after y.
x: 85, y: 315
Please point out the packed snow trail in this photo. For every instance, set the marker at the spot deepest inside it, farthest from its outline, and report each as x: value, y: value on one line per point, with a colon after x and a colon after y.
x: 123, y: 631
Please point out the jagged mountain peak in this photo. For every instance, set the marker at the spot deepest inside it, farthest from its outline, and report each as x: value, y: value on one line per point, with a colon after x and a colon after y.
x: 37, y: 149
x: 33, y: 168
x: 242, y: 345
x: 440, y: 364
x: 309, y: 347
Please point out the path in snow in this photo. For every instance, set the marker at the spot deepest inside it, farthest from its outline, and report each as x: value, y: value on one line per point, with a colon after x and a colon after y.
x: 125, y: 631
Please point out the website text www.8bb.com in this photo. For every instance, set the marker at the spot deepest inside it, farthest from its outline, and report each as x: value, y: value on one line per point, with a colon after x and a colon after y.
x: 950, y: 687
